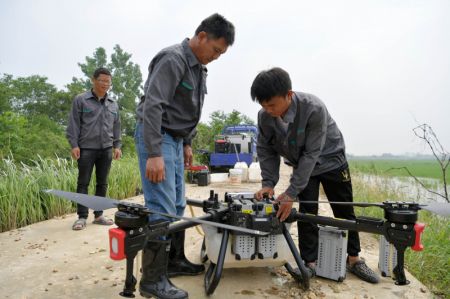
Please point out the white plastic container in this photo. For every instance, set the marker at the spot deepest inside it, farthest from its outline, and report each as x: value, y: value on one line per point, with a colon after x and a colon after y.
x: 244, y: 167
x: 219, y: 177
x: 235, y: 175
x: 254, y: 173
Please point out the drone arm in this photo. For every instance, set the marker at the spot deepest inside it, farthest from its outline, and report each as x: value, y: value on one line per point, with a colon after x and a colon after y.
x: 194, y: 202
x: 182, y: 225
x: 364, y: 224
x: 400, y: 235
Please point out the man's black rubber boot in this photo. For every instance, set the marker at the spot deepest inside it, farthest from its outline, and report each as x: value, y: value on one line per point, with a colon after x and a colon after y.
x: 178, y: 263
x: 154, y: 281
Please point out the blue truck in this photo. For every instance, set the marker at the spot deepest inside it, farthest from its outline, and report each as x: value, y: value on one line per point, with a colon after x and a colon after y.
x: 234, y: 144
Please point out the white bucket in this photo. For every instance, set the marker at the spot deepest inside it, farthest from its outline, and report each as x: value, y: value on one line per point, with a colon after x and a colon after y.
x: 244, y: 167
x: 219, y: 177
x: 235, y: 176
x: 254, y: 173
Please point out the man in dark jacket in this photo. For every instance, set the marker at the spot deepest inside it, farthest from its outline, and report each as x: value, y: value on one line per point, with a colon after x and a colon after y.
x: 94, y: 135
x: 166, y: 120
x: 297, y: 126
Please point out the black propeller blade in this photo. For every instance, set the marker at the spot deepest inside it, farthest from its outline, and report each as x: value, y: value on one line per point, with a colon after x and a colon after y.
x: 222, y: 225
x: 98, y: 203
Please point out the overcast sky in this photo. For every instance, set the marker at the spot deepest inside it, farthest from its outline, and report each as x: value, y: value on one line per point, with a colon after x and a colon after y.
x: 381, y: 67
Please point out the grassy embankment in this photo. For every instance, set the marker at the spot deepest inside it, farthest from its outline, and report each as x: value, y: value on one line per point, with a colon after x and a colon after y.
x: 431, y: 266
x: 22, y: 201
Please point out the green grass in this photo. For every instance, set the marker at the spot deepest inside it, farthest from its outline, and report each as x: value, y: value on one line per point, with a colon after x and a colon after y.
x: 22, y: 201
x: 419, y: 168
x: 430, y: 266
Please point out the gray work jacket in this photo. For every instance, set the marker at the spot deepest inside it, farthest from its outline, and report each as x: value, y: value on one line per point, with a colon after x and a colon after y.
x: 174, y: 93
x: 312, y: 143
x: 94, y: 124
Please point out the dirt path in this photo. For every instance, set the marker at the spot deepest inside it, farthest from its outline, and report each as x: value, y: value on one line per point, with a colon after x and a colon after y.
x: 49, y: 260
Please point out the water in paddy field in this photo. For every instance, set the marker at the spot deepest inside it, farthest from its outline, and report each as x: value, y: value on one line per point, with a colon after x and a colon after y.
x: 407, y: 187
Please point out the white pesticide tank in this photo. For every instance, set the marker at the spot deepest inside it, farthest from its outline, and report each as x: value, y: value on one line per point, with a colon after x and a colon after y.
x: 235, y: 175
x: 254, y: 173
x: 213, y: 240
x: 244, y: 167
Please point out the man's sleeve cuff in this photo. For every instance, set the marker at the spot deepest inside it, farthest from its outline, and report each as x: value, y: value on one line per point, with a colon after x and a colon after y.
x: 291, y: 192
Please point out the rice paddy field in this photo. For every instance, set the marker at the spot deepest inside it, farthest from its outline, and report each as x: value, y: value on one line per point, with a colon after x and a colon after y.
x: 395, y: 167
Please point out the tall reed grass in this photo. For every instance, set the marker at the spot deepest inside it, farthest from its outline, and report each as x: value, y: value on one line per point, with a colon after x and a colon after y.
x: 22, y: 201
x: 430, y: 266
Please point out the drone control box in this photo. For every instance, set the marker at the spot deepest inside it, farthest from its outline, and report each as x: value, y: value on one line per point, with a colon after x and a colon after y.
x: 332, y: 253
x: 388, y: 258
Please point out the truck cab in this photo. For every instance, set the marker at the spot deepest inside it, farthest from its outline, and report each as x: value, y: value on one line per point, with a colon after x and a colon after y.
x: 234, y: 144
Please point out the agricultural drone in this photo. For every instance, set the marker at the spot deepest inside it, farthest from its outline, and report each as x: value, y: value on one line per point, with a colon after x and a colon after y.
x: 256, y: 233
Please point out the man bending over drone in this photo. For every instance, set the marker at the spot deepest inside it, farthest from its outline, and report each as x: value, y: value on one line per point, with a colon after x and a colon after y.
x: 297, y: 126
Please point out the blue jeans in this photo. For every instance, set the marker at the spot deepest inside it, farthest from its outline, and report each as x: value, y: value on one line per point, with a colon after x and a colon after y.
x: 168, y: 195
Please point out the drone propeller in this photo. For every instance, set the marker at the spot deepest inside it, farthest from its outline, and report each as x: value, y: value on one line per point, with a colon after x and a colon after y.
x: 99, y: 203
x: 439, y: 208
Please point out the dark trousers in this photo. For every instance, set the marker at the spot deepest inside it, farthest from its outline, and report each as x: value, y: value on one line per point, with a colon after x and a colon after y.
x: 102, y: 161
x: 337, y: 185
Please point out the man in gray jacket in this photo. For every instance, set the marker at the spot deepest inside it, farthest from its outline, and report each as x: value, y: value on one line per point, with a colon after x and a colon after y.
x: 298, y: 127
x: 94, y: 135
x: 166, y: 120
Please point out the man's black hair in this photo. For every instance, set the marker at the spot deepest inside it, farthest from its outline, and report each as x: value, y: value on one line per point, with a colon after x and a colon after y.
x: 217, y: 26
x: 270, y: 83
x: 101, y: 70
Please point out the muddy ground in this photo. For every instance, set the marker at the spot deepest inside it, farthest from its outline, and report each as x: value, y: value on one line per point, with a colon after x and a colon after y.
x: 49, y: 260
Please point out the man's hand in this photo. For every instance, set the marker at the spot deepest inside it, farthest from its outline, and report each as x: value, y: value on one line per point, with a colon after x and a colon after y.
x: 75, y: 153
x: 260, y: 193
x: 155, y: 170
x: 285, y: 202
x: 117, y: 153
x: 188, y: 156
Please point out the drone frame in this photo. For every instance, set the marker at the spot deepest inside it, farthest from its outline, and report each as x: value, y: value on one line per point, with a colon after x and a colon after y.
x: 399, y: 227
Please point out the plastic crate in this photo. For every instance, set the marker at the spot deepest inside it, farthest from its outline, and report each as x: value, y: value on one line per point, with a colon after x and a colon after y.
x: 388, y: 257
x: 332, y: 253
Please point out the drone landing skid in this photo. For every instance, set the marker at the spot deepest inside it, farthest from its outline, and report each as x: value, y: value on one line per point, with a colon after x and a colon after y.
x: 214, y: 272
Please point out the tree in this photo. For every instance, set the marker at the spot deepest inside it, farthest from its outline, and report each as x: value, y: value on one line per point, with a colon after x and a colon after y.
x: 29, y: 96
x: 26, y: 138
x: 33, y: 95
x: 61, y: 101
x: 126, y: 79
x: 6, y: 93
